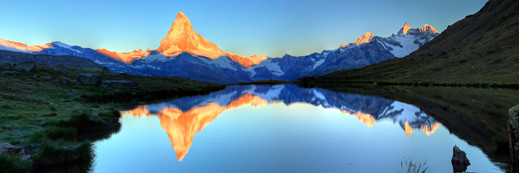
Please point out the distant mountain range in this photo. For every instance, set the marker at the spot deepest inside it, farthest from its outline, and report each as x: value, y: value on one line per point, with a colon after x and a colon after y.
x: 184, y: 53
x: 482, y: 48
x: 183, y: 118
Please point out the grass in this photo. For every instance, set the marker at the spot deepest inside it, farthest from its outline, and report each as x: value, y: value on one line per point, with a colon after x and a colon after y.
x: 479, y: 50
x: 13, y: 163
x: 409, y: 166
x: 57, y: 130
x: 60, y: 133
x: 75, y: 156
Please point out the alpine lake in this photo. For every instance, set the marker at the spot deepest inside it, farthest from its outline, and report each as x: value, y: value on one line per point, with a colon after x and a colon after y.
x: 285, y: 128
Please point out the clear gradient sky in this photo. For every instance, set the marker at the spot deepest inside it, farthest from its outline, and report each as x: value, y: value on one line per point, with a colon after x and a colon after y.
x: 266, y: 27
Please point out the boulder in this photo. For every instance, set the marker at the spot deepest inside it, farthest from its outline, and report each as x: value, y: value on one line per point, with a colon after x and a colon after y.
x: 459, y: 160
x: 46, y: 77
x: 120, y: 83
x: 6, y: 148
x: 89, y: 79
x: 6, y: 66
x: 60, y: 69
x: 66, y: 81
x: 513, y: 136
x: 105, y: 70
x: 28, y: 66
x: 14, y: 73
x: 71, y: 96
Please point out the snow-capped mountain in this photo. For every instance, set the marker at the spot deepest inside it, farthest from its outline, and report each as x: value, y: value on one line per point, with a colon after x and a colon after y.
x: 371, y: 108
x: 183, y: 118
x: 182, y: 38
x: 184, y: 53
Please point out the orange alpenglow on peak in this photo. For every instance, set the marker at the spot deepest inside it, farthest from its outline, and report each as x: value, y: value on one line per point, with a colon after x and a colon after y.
x: 408, y: 129
x: 430, y: 130
x: 23, y: 47
x: 182, y: 126
x: 246, y: 61
x: 406, y: 28
x: 125, y: 57
x: 182, y: 38
x: 366, y: 38
x: 427, y: 27
x: 365, y: 118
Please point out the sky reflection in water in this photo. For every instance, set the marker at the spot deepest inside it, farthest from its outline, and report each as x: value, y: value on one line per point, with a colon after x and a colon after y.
x: 280, y: 129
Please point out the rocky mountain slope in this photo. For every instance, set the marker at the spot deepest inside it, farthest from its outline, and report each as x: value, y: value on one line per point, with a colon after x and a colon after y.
x: 481, y: 48
x: 184, y: 53
x: 67, y: 61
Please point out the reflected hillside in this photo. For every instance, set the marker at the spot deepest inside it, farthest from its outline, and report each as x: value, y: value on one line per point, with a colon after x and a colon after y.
x: 476, y: 115
x: 183, y: 118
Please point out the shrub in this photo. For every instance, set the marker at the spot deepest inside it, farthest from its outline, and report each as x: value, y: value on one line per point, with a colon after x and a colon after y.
x: 61, y: 133
x: 53, y: 155
x: 112, y: 113
x: 13, y: 163
x: 51, y: 114
x: 6, y: 106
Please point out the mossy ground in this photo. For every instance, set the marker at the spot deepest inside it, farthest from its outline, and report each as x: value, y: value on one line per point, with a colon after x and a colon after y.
x: 57, y: 129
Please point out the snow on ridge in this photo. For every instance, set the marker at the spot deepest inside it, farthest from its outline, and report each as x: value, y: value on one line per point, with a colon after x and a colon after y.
x: 318, y: 63
x: 408, y: 45
x: 273, y: 67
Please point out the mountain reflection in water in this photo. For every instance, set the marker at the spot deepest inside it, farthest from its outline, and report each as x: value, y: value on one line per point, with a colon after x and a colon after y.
x: 183, y: 118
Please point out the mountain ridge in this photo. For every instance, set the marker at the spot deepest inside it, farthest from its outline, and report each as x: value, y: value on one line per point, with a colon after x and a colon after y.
x: 183, y: 53
x: 480, y: 48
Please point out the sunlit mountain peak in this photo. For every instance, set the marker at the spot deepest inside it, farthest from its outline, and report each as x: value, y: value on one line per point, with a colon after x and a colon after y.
x: 125, y: 57
x: 182, y: 38
x: 366, y: 38
x: 406, y: 28
x: 246, y: 61
x: 427, y: 27
x: 17, y: 46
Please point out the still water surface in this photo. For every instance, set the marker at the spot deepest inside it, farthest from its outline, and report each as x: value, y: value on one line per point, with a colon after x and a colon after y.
x: 281, y: 128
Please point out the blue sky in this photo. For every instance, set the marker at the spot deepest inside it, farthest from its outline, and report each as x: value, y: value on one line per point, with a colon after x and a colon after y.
x: 266, y: 27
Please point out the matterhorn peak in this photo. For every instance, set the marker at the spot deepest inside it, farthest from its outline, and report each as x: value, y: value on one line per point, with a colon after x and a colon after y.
x: 405, y: 28
x: 366, y: 38
x: 182, y: 38
x: 427, y: 27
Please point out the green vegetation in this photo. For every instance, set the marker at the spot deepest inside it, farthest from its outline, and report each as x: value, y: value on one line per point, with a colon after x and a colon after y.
x: 410, y: 166
x: 480, y: 50
x: 13, y: 163
x: 59, y: 155
x: 57, y: 123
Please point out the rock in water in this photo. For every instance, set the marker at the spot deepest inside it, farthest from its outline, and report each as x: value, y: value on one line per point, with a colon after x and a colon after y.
x: 28, y: 66
x: 459, y: 161
x: 89, y: 79
x: 513, y: 135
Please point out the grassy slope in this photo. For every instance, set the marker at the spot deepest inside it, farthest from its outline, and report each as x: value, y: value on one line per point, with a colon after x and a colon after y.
x: 476, y: 115
x: 37, y: 115
x: 482, y: 48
